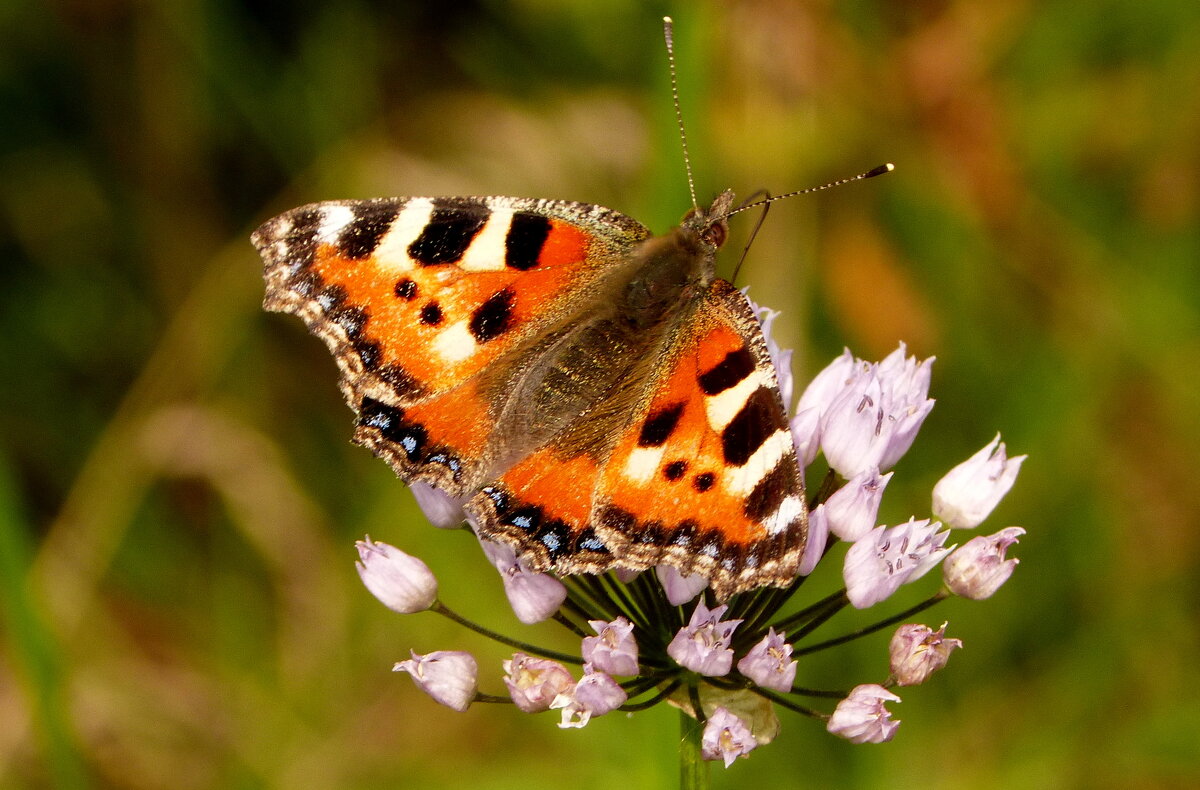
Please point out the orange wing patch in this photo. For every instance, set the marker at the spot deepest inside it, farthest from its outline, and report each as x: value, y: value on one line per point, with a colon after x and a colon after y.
x: 440, y: 324
x: 544, y: 504
x: 670, y: 468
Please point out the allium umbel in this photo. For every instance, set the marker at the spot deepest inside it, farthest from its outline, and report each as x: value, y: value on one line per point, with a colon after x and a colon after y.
x: 731, y: 664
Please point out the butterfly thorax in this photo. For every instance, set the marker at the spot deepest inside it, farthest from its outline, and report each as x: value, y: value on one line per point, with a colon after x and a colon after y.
x: 674, y: 268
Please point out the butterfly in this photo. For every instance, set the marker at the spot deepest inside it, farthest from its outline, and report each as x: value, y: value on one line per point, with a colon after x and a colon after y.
x: 596, y: 395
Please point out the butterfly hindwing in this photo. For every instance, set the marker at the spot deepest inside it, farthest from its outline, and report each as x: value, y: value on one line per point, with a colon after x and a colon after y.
x: 700, y: 472
x: 705, y: 477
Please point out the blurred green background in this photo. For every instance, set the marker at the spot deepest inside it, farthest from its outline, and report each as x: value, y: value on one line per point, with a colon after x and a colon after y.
x: 179, y: 498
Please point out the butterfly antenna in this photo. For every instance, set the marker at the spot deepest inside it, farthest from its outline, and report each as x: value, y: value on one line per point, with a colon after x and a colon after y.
x: 878, y: 171
x: 766, y: 206
x: 669, y: 35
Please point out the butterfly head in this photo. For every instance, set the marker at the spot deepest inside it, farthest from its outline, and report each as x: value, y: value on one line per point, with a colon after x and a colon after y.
x: 710, y: 225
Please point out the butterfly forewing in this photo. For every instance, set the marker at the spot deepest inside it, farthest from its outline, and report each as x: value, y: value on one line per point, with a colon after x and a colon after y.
x: 416, y: 297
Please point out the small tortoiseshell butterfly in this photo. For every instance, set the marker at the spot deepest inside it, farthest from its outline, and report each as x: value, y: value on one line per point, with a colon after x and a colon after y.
x: 600, y: 395
x: 596, y: 394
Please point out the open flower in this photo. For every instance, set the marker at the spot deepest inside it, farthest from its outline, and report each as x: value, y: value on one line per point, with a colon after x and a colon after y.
x: 534, y: 683
x: 703, y: 644
x: 400, y: 581
x: 970, y: 491
x: 874, y: 418
x: 886, y: 558
x: 769, y: 663
x: 862, y: 717
x: 449, y: 676
x: 852, y: 509
x: 614, y: 650
x: 726, y: 737
x: 979, y: 568
x: 917, y: 651
x: 594, y: 695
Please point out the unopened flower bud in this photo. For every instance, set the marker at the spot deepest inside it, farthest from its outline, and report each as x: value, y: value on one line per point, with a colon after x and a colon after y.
x: 449, y: 676
x: 400, y: 581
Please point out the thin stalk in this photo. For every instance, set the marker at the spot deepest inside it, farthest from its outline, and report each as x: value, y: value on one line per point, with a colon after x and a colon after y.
x: 941, y: 595
x: 524, y: 647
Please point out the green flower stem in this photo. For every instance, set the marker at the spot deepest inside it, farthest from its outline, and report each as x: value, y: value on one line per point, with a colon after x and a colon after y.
x: 834, y: 602
x: 693, y: 771
x: 524, y: 647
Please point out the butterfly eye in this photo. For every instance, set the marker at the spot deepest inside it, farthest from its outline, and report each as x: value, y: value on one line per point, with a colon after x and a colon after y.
x: 716, y: 233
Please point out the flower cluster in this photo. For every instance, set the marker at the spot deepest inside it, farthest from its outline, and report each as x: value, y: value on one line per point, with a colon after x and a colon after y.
x: 648, y: 638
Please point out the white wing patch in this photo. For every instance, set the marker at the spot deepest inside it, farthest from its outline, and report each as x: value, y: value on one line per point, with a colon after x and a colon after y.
x: 392, y: 251
x: 487, y: 251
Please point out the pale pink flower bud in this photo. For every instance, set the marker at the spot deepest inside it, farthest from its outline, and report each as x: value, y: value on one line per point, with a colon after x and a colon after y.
x: 970, y: 491
x: 703, y: 644
x: 852, y: 509
x: 678, y: 588
x: 442, y: 510
x: 862, y: 718
x: 917, y: 651
x: 401, y: 581
x: 769, y: 663
x: 979, y: 568
x: 818, y: 536
x: 614, y: 651
x: 879, y: 563
x: 726, y: 737
x: 534, y: 683
x: 594, y: 695
x: 449, y: 676
x: 533, y: 596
